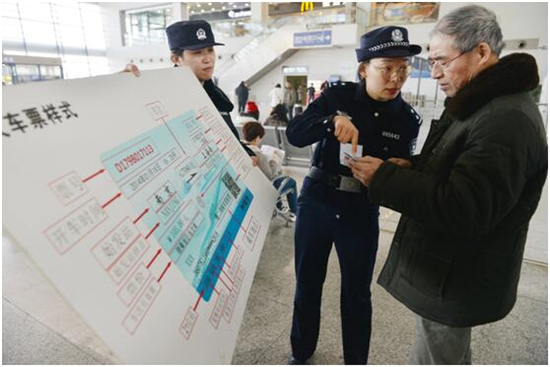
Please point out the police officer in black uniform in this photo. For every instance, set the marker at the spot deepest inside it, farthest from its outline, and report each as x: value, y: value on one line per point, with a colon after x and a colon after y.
x: 192, y: 44
x: 369, y: 118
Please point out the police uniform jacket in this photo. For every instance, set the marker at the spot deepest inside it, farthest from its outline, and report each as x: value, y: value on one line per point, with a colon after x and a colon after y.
x: 386, y: 129
x: 466, y: 203
x: 224, y: 107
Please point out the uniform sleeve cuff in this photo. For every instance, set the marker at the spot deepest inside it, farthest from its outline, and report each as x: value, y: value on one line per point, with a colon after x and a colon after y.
x: 328, y: 123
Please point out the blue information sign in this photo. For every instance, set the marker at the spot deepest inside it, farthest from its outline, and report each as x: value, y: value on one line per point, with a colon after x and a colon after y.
x: 314, y: 38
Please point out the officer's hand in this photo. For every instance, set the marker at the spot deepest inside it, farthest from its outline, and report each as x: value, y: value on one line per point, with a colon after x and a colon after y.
x: 364, y: 168
x: 401, y: 162
x: 346, y: 132
x: 131, y: 68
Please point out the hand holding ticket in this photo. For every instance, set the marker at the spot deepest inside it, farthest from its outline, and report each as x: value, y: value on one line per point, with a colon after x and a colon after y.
x: 349, y: 156
x: 346, y: 153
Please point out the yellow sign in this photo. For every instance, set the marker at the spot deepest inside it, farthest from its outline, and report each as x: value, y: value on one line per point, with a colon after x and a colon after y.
x: 306, y: 6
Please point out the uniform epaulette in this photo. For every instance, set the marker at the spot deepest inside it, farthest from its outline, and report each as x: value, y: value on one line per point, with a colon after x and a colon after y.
x: 341, y: 85
x: 414, y: 115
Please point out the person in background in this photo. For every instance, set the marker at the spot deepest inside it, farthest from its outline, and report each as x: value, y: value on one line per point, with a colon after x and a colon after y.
x: 289, y: 99
x: 298, y: 110
x: 242, y: 95
x: 300, y: 95
x: 253, y: 133
x: 251, y: 113
x: 467, y: 199
x: 192, y: 44
x: 310, y: 94
x: 277, y: 117
x: 276, y: 96
x: 333, y: 207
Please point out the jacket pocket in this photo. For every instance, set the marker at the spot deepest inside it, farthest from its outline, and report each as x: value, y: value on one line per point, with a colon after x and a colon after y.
x: 425, y: 273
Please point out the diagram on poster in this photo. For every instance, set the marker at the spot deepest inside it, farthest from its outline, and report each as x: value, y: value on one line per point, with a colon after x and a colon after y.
x: 142, y: 208
x: 198, y: 207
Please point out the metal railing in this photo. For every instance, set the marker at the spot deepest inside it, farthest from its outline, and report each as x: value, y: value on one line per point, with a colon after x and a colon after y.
x: 259, y: 37
x: 322, y: 18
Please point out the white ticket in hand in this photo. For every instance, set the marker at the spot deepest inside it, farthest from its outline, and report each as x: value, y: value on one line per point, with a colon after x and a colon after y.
x: 345, y: 149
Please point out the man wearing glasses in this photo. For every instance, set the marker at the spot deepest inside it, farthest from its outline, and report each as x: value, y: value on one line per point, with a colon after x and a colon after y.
x: 467, y: 199
x: 347, y: 121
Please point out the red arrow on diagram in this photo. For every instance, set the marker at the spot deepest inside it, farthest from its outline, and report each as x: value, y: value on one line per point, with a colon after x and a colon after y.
x: 164, y: 272
x: 152, y: 230
x: 154, y: 258
x: 111, y: 200
x: 198, y: 300
x: 94, y: 175
x: 141, y: 215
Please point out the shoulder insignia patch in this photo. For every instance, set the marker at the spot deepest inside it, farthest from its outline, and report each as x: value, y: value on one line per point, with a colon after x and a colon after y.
x: 415, y: 117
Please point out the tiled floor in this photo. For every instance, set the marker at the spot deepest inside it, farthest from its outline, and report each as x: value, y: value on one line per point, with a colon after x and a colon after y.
x: 39, y: 327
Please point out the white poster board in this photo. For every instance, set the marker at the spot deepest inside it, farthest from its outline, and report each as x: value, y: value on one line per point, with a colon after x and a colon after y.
x: 139, y: 204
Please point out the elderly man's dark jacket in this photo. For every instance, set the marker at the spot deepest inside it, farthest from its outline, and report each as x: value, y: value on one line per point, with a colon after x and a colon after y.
x: 466, y: 203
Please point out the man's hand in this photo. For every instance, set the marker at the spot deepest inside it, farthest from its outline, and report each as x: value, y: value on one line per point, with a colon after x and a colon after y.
x: 401, y: 162
x: 131, y: 68
x: 255, y: 161
x: 346, y: 132
x: 364, y: 168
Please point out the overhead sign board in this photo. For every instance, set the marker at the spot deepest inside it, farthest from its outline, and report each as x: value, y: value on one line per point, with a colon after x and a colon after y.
x: 313, y: 38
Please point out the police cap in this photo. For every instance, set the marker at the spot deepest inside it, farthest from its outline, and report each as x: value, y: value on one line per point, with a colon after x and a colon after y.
x: 190, y: 35
x: 390, y: 41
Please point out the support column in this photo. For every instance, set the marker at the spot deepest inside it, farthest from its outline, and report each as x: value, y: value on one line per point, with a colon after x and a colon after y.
x: 260, y: 13
x: 180, y: 11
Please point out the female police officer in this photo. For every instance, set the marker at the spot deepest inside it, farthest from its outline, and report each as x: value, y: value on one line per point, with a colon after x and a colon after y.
x: 333, y: 206
x: 192, y: 44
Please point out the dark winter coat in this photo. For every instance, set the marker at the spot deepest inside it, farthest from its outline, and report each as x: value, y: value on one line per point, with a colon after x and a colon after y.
x: 224, y: 107
x: 466, y: 204
x: 242, y: 92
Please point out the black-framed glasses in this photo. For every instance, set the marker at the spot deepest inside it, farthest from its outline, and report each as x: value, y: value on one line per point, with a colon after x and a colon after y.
x: 387, y: 72
x: 444, y: 65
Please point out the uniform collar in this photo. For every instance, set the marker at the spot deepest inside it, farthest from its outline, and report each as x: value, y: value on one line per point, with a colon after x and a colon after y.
x: 218, y: 97
x: 392, y: 107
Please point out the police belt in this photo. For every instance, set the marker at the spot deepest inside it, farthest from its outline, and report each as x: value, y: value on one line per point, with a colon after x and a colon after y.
x: 338, y: 182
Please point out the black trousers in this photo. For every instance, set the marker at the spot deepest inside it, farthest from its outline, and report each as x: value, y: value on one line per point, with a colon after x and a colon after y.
x: 354, y: 231
x: 242, y: 104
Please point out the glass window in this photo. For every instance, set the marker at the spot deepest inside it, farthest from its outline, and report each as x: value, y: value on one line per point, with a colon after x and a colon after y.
x: 67, y: 13
x: 10, y: 9
x: 50, y: 72
x: 72, y: 31
x: 7, y: 74
x: 34, y: 11
x: 38, y: 33
x: 11, y: 30
x: 147, y: 26
x: 93, y: 28
x: 72, y: 37
x: 98, y: 65
x: 27, y: 73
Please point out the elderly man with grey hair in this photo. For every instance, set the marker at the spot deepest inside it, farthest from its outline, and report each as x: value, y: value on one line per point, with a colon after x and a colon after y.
x: 467, y: 199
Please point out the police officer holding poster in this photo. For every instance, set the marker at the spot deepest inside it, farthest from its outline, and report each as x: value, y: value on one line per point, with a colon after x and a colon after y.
x: 192, y: 44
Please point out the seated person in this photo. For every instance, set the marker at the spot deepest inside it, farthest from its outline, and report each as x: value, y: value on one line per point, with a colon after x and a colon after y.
x: 253, y: 133
x: 250, y: 113
x: 277, y: 117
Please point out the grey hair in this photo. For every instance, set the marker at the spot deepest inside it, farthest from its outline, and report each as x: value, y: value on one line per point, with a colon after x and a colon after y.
x: 469, y: 26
